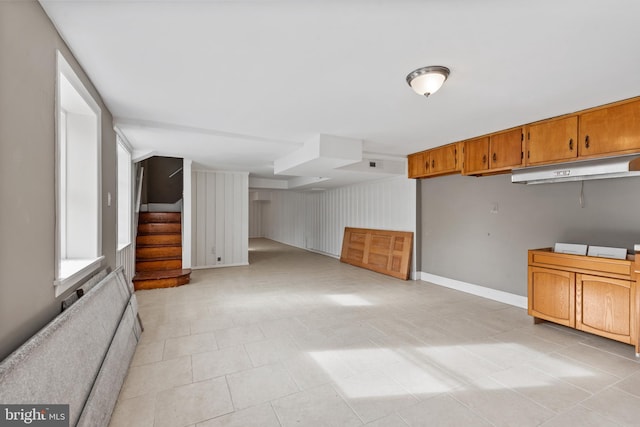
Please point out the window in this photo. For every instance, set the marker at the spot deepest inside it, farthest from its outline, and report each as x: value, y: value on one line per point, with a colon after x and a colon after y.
x: 78, y: 180
x: 124, y: 195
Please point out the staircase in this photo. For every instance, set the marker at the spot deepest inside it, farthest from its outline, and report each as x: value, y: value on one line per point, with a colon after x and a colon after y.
x: 159, y: 251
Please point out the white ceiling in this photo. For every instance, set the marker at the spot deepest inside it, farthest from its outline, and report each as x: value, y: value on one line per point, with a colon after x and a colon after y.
x: 235, y: 85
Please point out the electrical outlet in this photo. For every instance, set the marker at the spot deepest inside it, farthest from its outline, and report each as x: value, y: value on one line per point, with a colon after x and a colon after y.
x: 219, y: 259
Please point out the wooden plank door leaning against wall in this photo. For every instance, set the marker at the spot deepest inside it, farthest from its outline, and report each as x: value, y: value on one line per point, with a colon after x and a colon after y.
x: 383, y: 251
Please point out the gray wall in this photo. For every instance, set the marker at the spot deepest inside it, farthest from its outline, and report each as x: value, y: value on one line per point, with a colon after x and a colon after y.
x: 28, y: 43
x: 158, y: 187
x: 463, y: 240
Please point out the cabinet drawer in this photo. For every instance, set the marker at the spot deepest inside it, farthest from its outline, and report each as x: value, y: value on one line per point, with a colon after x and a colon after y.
x: 619, y: 268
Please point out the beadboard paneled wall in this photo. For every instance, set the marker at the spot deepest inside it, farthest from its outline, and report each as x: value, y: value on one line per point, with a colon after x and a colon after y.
x: 316, y: 220
x: 220, y: 219
x: 283, y: 217
x: 255, y: 218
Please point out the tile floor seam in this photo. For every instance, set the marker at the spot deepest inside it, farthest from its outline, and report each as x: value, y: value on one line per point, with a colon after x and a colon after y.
x: 191, y: 360
x: 556, y: 412
x: 453, y: 396
x: 275, y: 413
x: 636, y: 360
x: 591, y: 366
x: 560, y: 378
x: 601, y: 414
x: 155, y: 403
x: 333, y: 386
x: 613, y: 387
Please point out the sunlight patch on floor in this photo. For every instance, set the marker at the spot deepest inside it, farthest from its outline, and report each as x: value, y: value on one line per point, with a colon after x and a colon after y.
x: 427, y: 370
x: 349, y: 300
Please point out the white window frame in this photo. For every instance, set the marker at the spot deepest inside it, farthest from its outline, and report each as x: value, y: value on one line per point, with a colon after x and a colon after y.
x: 69, y: 272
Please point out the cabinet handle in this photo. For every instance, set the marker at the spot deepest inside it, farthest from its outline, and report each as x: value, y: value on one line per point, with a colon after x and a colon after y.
x: 586, y: 141
x: 494, y: 157
x: 528, y: 154
x: 484, y: 159
x: 426, y: 165
x: 571, y: 144
x: 433, y: 163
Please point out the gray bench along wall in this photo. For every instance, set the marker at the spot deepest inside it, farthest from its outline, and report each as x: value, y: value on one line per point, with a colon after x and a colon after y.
x: 81, y: 357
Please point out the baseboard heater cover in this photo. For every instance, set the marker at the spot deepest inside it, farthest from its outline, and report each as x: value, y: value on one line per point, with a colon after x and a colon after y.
x: 81, y: 357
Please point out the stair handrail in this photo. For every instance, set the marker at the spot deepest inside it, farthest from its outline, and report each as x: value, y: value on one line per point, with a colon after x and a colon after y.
x: 138, y: 201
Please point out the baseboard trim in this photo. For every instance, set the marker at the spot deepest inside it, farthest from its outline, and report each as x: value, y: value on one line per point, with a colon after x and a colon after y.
x: 481, y: 291
x: 321, y: 252
x: 204, y: 267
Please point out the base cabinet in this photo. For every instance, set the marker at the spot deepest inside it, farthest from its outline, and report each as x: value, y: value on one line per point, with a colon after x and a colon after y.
x: 595, y: 295
x: 552, y: 295
x: 604, y: 307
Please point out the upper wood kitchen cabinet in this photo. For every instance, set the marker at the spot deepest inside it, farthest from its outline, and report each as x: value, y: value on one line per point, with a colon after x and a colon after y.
x: 610, y: 130
x: 436, y: 162
x: 496, y: 153
x: 418, y: 164
x: 444, y: 160
x: 552, y: 141
x: 476, y: 156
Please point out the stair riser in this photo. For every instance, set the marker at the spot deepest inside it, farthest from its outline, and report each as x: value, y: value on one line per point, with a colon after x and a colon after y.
x: 152, y: 265
x: 150, y: 217
x: 159, y: 239
x: 158, y: 252
x: 161, y: 283
x: 160, y: 228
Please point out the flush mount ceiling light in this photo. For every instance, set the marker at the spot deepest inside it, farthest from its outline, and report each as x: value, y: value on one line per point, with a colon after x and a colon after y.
x: 427, y: 80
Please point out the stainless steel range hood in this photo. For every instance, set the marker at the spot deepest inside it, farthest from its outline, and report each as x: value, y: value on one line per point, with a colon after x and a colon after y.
x: 581, y: 170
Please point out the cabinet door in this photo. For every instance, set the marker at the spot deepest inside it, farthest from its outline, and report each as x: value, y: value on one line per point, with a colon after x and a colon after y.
x: 552, y: 295
x: 506, y: 149
x: 418, y: 165
x: 444, y: 159
x: 476, y: 156
x: 603, y: 306
x: 610, y: 130
x: 552, y: 141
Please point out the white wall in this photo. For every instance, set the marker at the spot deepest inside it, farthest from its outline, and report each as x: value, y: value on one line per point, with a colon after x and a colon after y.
x: 316, y: 220
x: 255, y: 217
x: 220, y: 219
x: 283, y: 217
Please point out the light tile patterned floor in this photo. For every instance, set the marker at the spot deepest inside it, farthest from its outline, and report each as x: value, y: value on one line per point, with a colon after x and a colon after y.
x: 298, y: 339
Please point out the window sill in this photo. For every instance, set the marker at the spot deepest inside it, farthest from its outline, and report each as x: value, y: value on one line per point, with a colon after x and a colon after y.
x: 72, y: 271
